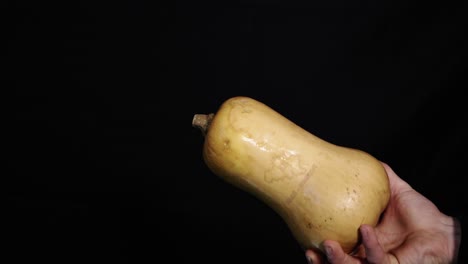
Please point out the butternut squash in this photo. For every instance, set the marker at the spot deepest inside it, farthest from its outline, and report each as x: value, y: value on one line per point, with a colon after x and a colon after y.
x: 321, y: 190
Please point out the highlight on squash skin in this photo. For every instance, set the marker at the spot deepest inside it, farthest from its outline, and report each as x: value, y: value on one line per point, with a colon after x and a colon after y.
x: 321, y: 190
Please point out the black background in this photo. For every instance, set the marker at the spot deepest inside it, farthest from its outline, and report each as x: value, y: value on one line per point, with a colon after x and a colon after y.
x: 104, y: 165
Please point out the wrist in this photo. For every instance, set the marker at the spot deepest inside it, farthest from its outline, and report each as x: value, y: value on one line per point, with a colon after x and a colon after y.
x: 454, y: 236
x: 451, y: 230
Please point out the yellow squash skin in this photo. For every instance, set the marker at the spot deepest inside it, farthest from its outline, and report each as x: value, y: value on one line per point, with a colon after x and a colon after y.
x: 321, y: 190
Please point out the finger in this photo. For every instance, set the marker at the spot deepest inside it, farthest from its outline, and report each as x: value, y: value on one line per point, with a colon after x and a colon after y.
x: 374, y: 251
x: 314, y: 256
x: 336, y: 255
x: 396, y: 183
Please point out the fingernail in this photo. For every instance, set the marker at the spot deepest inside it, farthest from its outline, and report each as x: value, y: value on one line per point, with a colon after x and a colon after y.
x: 328, y: 251
x: 309, y: 260
x: 364, y: 232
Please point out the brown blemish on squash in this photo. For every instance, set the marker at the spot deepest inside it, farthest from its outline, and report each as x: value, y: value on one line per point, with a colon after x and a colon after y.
x: 226, y: 144
x: 299, y: 188
x: 284, y: 166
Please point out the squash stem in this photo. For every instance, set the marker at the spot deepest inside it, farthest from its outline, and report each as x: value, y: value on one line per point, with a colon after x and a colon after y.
x: 202, y: 122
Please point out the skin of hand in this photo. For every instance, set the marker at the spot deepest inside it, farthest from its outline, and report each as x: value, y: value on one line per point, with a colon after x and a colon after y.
x: 411, y: 230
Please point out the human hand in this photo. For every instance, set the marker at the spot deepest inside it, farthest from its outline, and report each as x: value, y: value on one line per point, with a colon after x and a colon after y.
x: 411, y: 230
